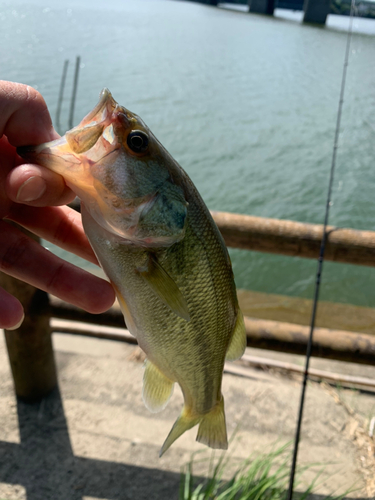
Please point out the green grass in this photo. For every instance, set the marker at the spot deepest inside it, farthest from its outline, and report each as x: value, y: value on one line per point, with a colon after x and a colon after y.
x: 265, y: 477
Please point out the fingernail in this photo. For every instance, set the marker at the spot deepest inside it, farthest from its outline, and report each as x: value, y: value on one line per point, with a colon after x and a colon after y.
x: 31, y: 190
x: 16, y: 325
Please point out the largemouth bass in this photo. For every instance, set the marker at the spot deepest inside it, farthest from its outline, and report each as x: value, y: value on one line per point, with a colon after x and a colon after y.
x: 160, y: 248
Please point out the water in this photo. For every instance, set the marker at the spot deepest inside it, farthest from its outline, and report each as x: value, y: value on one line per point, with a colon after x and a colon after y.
x: 247, y: 104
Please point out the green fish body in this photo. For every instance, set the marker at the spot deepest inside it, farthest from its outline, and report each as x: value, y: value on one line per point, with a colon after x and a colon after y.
x: 160, y: 248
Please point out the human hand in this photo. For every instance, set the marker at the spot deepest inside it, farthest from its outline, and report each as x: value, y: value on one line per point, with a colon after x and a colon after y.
x: 30, y: 195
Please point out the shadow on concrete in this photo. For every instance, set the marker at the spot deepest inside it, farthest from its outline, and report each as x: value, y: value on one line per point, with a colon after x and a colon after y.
x: 44, y: 463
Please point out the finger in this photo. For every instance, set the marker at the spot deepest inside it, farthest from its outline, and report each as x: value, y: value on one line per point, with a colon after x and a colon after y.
x: 24, y: 117
x: 61, y: 226
x: 23, y: 258
x: 6, y: 164
x: 11, y: 311
x: 37, y: 186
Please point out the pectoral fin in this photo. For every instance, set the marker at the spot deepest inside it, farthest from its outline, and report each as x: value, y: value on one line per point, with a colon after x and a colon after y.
x: 157, y: 388
x: 165, y: 287
x: 237, y: 345
x: 82, y: 139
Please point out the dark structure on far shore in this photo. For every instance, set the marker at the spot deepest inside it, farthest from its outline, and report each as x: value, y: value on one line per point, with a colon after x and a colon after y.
x: 315, y: 11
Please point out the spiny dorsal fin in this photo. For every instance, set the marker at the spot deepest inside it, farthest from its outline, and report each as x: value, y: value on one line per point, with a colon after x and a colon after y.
x: 165, y: 287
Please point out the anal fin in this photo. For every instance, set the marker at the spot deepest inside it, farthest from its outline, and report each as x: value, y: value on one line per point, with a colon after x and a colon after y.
x: 237, y: 345
x: 165, y: 287
x: 157, y: 388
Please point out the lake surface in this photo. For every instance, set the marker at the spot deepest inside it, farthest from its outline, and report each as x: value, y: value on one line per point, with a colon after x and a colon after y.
x: 247, y: 104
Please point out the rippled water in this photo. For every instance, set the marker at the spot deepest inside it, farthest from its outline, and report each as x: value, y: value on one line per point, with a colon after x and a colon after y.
x: 247, y: 104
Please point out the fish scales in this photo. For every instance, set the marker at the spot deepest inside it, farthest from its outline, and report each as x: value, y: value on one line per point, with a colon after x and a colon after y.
x: 165, y: 257
x: 203, y: 278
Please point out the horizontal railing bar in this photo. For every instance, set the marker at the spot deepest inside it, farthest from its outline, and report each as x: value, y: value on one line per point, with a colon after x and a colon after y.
x: 263, y: 334
x: 91, y: 330
x: 297, y: 239
x: 123, y: 335
x: 64, y: 310
x: 341, y: 345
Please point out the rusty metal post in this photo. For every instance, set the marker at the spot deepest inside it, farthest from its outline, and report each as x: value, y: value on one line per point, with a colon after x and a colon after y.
x: 30, y: 346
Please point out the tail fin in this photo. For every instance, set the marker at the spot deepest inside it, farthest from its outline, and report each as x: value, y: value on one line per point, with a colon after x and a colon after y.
x: 182, y: 424
x: 212, y: 428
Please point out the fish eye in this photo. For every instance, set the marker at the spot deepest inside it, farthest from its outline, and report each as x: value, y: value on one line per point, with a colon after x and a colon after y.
x: 137, y: 141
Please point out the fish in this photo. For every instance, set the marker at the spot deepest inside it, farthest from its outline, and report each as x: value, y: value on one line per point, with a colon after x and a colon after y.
x: 161, y: 250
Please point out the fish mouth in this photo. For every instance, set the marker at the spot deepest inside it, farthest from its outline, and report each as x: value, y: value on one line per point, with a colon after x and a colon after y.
x: 102, y: 111
x: 29, y: 152
x: 38, y: 153
x: 102, y: 131
x: 57, y: 154
x: 108, y: 112
x: 107, y: 118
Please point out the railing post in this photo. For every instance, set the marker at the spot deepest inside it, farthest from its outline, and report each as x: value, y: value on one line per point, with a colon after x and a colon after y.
x: 316, y: 11
x: 30, y: 346
x: 262, y: 6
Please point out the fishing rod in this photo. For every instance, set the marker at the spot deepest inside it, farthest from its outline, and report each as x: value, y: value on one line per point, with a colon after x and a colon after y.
x: 321, y: 256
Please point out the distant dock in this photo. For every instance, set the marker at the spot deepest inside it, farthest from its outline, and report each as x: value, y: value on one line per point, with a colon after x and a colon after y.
x: 314, y: 11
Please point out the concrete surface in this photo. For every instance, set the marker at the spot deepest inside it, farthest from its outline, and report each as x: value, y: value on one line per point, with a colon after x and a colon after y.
x: 94, y: 439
